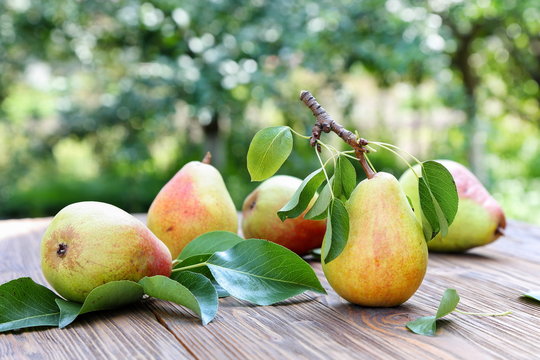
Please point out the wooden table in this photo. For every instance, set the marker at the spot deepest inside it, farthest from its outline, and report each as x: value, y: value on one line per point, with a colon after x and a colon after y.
x: 309, y: 326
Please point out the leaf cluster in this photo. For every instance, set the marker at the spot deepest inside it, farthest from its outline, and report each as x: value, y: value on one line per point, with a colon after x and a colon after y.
x: 216, y: 264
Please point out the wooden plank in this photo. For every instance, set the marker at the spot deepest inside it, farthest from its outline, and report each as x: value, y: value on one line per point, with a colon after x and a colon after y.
x: 131, y: 333
x: 310, y: 326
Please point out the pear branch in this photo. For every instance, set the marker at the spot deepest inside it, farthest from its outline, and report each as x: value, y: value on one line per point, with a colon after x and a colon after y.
x: 325, y: 123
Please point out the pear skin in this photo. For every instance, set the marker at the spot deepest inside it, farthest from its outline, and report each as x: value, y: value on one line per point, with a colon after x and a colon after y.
x: 260, y: 220
x: 385, y: 259
x: 195, y: 201
x: 479, y: 220
x: 90, y: 243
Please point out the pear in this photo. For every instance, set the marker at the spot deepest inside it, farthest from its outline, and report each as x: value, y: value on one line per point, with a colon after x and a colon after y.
x: 88, y: 244
x: 195, y: 201
x: 479, y: 220
x: 385, y: 258
x: 260, y: 220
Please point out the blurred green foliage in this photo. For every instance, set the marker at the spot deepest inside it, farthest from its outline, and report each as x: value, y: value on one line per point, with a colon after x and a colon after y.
x: 106, y: 100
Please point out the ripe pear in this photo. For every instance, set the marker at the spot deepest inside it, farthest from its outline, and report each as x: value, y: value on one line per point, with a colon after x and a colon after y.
x: 195, y: 201
x: 260, y: 220
x: 88, y: 244
x: 479, y: 220
x: 385, y: 258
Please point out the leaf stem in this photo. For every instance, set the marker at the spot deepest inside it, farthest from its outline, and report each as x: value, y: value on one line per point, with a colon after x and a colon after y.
x: 398, y: 148
x: 483, y: 314
x: 190, y: 267
x: 175, y: 262
x: 324, y: 171
x: 370, y: 163
x: 398, y: 155
x: 298, y: 134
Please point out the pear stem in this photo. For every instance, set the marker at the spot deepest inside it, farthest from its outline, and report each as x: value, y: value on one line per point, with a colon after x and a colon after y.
x: 325, y: 123
x: 207, y: 158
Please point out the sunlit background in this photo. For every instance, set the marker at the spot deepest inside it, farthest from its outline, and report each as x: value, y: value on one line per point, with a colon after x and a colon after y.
x: 106, y: 100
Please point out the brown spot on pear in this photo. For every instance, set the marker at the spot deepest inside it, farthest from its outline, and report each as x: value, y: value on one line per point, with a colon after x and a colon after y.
x: 88, y: 244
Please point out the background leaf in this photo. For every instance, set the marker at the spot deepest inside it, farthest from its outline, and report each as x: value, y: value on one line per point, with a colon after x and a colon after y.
x: 262, y: 272
x: 204, y: 304
x: 23, y: 303
x: 268, y: 150
x: 111, y: 295
x: 319, y: 209
x: 438, y: 198
x: 210, y: 243
x: 303, y: 195
x: 337, y: 231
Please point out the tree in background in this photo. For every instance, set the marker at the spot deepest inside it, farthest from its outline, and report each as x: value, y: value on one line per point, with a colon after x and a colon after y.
x: 128, y: 85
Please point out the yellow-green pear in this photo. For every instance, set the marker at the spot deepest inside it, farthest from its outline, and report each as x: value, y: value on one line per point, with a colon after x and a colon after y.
x: 195, y: 201
x: 385, y: 259
x: 91, y: 243
x: 479, y: 220
x: 260, y: 220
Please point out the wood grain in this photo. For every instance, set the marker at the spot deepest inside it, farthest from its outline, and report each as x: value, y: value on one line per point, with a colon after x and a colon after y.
x: 309, y: 326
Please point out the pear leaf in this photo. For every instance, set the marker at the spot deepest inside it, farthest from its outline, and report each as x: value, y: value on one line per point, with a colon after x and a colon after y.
x: 191, y: 290
x: 535, y: 295
x: 438, y: 198
x: 427, y: 325
x: 23, y: 303
x: 344, y: 178
x: 108, y: 296
x: 348, y: 176
x: 337, y: 231
x: 203, y: 270
x: 210, y: 243
x: 262, y: 272
x: 319, y: 209
x: 268, y: 150
x: 303, y: 195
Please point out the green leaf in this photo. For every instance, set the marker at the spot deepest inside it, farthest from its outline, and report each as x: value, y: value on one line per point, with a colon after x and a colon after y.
x: 303, y: 195
x: 201, y: 248
x: 23, y: 303
x: 344, y: 178
x: 268, y: 150
x: 448, y: 303
x: 210, y: 243
x: 110, y: 295
x: 203, y: 270
x: 535, y: 295
x: 337, y: 231
x: 262, y: 272
x: 438, y: 198
x: 319, y: 209
x: 427, y: 325
x: 191, y: 290
x: 348, y: 176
